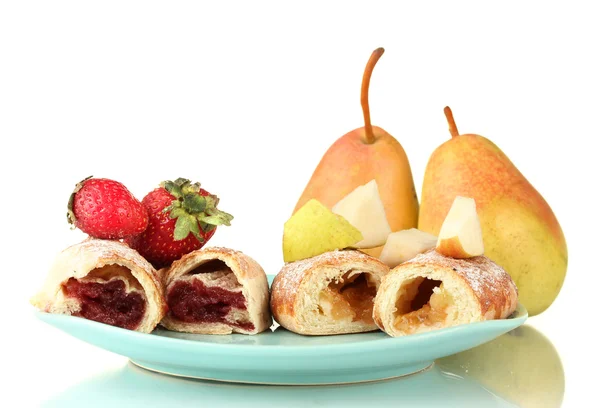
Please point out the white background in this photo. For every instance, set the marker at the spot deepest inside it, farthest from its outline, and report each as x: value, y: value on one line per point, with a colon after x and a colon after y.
x: 246, y: 97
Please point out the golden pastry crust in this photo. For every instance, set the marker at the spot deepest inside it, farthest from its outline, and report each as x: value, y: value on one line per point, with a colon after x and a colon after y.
x: 295, y: 291
x: 480, y: 289
x: 249, y: 274
x: 77, y: 261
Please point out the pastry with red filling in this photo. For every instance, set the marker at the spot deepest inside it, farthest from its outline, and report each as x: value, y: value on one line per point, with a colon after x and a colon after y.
x: 216, y: 291
x: 331, y: 293
x: 105, y: 281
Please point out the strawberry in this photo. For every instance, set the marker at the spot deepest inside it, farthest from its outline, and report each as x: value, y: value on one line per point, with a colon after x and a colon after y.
x: 105, y: 209
x: 183, y: 217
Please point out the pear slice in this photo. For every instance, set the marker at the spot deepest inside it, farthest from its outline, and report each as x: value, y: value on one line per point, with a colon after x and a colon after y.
x: 364, y: 209
x: 406, y: 244
x: 460, y: 234
x: 314, y: 230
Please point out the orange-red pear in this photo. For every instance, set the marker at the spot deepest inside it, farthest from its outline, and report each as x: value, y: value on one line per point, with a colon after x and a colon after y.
x: 360, y: 156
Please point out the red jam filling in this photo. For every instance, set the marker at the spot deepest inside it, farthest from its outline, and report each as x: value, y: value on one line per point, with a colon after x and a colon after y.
x: 107, y: 302
x: 194, y: 302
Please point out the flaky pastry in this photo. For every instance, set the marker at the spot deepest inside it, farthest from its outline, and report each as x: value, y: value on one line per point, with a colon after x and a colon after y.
x: 104, y: 281
x: 432, y: 291
x: 216, y: 291
x: 330, y: 293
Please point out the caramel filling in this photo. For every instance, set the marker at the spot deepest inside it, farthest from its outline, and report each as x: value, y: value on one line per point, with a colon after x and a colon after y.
x: 110, y: 295
x: 349, y: 298
x: 421, y: 302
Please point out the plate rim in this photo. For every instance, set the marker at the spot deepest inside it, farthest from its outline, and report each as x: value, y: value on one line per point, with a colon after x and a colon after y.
x: 383, y: 342
x: 367, y: 358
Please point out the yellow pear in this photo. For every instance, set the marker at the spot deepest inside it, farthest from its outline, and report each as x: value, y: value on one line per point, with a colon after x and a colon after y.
x: 314, y: 230
x: 360, y: 156
x: 520, y: 231
x: 521, y: 366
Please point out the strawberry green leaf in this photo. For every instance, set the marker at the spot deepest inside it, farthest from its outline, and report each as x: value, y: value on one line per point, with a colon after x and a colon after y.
x: 182, y: 228
x: 189, y: 188
x: 180, y: 181
x: 172, y: 188
x: 195, y: 212
x: 178, y: 212
x: 194, y: 203
x: 206, y: 227
x: 184, y: 225
x: 195, y: 229
x: 174, y: 204
x: 216, y: 217
x: 211, y: 201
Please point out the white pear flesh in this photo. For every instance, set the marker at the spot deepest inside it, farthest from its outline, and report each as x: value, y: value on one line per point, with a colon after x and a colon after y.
x: 460, y: 235
x: 404, y: 245
x: 364, y: 209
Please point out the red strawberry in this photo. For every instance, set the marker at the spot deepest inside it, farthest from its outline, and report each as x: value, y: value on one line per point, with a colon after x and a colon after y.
x: 105, y: 209
x: 183, y: 217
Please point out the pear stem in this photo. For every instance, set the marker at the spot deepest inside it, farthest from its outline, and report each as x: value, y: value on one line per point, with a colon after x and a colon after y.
x: 364, y: 94
x: 451, y: 123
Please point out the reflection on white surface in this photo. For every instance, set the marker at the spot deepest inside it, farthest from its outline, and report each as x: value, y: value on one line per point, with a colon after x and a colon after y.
x: 132, y: 386
x: 520, y: 368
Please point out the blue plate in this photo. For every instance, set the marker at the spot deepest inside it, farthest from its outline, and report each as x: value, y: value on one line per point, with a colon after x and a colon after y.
x: 283, y: 357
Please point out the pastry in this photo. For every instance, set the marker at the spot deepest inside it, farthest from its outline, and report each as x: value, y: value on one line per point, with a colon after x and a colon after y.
x: 216, y: 291
x: 105, y: 281
x: 330, y: 293
x: 432, y: 291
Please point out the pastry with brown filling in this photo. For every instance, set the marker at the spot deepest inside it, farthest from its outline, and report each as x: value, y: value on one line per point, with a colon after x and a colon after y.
x: 105, y: 281
x: 432, y: 291
x: 330, y: 293
x: 216, y: 291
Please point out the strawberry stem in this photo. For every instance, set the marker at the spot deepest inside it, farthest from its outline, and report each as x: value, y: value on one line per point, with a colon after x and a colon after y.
x: 193, y: 209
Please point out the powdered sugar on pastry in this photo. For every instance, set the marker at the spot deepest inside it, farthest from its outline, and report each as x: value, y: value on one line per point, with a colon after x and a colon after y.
x: 296, y: 271
x: 102, y: 261
x: 432, y: 291
x: 217, y: 290
x: 331, y: 293
x: 486, y: 278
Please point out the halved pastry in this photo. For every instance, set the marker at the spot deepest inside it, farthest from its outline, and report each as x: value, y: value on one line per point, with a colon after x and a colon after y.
x: 217, y: 291
x: 330, y: 293
x: 105, y: 281
x: 432, y: 291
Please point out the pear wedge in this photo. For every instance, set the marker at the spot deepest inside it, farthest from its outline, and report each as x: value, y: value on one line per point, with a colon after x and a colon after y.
x: 406, y: 244
x: 363, y: 209
x: 314, y: 230
x: 460, y: 235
